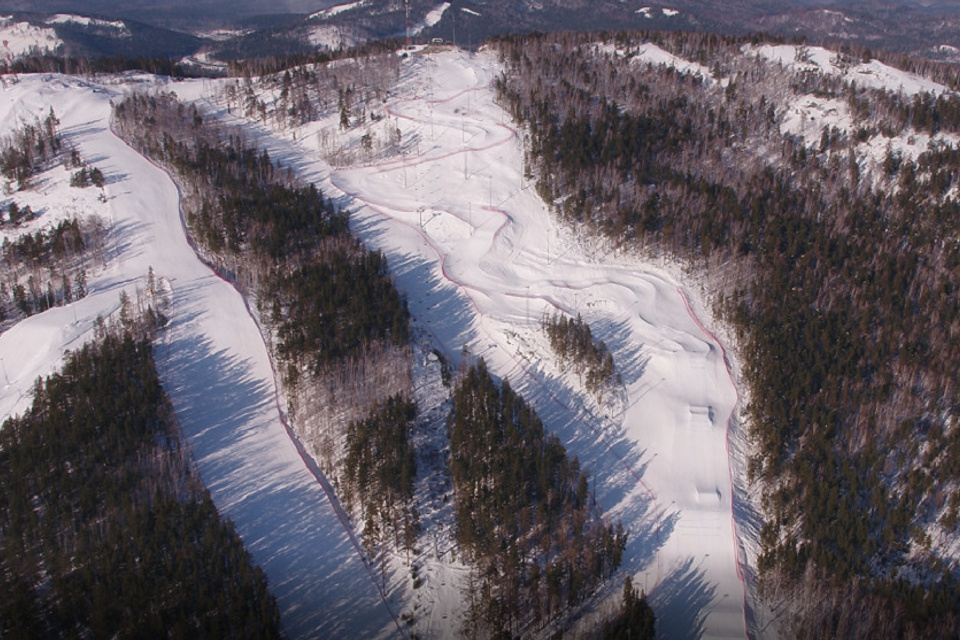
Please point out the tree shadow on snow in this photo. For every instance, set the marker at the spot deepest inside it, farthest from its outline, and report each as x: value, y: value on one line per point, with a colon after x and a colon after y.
x: 230, y: 420
x: 680, y: 602
x: 629, y: 357
x: 439, y: 306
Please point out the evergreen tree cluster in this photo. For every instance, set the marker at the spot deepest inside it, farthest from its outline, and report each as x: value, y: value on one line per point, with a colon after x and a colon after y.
x: 339, y: 307
x: 634, y: 621
x: 524, y: 512
x: 838, y: 275
x: 572, y: 340
x: 379, y: 471
x: 29, y: 148
x: 105, y: 529
x: 46, y: 268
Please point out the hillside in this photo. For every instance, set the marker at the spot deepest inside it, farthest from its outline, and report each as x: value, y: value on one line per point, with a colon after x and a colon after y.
x: 728, y: 335
x: 434, y: 177
x: 816, y: 193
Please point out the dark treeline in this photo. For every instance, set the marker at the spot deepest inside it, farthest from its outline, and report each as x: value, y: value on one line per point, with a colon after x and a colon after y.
x: 105, y: 529
x: 29, y: 149
x: 634, y: 621
x: 46, y: 268
x: 338, y: 307
x: 243, y: 65
x: 107, y: 64
x: 338, y: 327
x: 840, y: 277
x: 380, y: 470
x: 524, y: 513
x: 571, y: 338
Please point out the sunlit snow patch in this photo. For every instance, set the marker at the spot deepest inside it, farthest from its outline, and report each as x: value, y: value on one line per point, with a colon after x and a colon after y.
x: 873, y: 74
x: 649, y: 53
x: 84, y: 21
x: 332, y: 11
x: 22, y: 38
x: 434, y: 15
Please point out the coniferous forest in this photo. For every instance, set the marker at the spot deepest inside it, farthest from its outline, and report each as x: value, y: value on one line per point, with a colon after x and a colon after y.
x: 838, y: 277
x: 572, y: 340
x: 105, y: 527
x: 524, y: 513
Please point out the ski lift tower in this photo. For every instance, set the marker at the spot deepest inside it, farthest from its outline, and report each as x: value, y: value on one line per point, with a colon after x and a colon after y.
x: 406, y: 6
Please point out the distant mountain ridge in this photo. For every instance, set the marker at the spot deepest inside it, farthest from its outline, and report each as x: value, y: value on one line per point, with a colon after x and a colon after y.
x: 248, y: 29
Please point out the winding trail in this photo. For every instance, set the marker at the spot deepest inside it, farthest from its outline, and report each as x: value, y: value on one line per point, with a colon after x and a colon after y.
x: 661, y: 465
x: 482, y: 262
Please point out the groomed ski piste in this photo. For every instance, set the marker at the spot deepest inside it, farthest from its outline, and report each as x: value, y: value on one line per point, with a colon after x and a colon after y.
x: 482, y: 262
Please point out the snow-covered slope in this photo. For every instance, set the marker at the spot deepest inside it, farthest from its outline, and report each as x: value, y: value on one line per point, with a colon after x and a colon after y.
x: 482, y: 261
x: 494, y: 262
x: 873, y: 74
x: 214, y: 366
x: 22, y: 38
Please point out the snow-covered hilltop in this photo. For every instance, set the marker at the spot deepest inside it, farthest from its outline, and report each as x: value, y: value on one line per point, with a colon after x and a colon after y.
x: 480, y: 272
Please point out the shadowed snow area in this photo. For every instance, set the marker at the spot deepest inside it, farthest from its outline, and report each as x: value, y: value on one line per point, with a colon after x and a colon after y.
x: 482, y: 262
x: 213, y: 364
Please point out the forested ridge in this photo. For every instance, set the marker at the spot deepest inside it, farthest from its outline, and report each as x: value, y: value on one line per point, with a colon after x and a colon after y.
x: 337, y: 327
x: 105, y: 527
x: 838, y: 274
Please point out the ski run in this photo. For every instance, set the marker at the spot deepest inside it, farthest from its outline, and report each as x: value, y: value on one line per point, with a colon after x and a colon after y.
x: 482, y: 262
